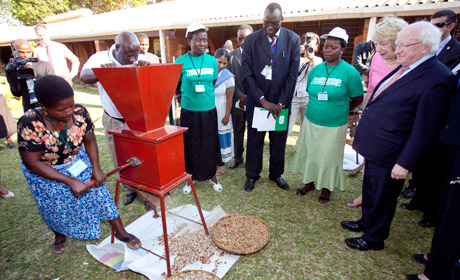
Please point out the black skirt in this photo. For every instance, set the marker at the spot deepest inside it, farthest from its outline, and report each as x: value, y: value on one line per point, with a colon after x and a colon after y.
x: 3, y: 131
x: 201, y: 143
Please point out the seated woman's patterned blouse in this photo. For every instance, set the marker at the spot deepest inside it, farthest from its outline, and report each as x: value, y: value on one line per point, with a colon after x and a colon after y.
x: 33, y: 136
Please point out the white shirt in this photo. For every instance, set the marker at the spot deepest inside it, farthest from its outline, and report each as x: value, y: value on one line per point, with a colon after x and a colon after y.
x: 443, y: 43
x: 95, y: 61
x: 276, y: 38
x: 412, y: 66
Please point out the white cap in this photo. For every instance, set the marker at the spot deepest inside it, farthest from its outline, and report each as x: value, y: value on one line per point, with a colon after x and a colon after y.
x: 192, y: 27
x: 337, y: 32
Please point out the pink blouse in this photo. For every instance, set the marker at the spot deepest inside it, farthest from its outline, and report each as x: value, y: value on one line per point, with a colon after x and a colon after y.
x: 377, y: 71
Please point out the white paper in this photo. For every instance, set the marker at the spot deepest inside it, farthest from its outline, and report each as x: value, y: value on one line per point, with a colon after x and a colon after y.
x: 78, y: 167
x: 261, y: 122
x: 237, y: 105
x: 148, y: 229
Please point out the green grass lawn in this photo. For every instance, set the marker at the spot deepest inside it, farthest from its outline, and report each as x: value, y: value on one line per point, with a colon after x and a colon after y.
x: 307, y: 241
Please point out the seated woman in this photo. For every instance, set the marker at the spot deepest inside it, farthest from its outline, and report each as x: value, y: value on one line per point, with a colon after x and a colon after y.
x: 57, y: 168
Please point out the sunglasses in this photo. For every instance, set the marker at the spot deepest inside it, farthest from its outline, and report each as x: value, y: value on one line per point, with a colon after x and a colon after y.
x: 441, y: 24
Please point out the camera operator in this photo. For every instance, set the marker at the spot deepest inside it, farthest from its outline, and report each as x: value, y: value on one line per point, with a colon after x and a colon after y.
x: 23, y: 70
x: 308, y: 47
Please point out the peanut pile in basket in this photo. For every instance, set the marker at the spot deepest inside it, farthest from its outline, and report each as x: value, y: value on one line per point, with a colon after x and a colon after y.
x: 194, y: 275
x: 240, y: 233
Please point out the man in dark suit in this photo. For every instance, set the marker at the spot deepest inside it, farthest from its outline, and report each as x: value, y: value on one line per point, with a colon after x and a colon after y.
x: 270, y: 63
x: 428, y: 175
x: 449, y: 48
x: 238, y: 114
x: 403, y: 117
x: 445, y: 248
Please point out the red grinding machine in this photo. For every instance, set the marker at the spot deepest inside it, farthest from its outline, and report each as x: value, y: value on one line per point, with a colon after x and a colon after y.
x: 143, y: 96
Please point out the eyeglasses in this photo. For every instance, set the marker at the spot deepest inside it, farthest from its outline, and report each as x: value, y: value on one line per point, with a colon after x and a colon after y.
x: 441, y: 24
x: 24, y: 51
x: 404, y: 46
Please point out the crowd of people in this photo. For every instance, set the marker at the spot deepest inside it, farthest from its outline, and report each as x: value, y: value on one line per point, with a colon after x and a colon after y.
x: 405, y: 79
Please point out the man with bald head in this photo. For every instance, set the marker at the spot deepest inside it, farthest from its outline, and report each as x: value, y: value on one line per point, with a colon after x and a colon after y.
x: 125, y: 51
x: 269, y: 67
x: 403, y: 118
x: 20, y: 86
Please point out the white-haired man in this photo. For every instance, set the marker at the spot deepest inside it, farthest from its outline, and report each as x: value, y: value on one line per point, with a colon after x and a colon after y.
x: 403, y: 117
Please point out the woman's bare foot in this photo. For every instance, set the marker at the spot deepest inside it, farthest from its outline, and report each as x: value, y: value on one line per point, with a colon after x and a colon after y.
x: 325, y: 196
x: 59, y: 243
x: 307, y: 188
x: 357, y: 202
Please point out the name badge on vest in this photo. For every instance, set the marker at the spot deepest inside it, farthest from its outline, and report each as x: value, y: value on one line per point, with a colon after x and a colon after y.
x: 322, y: 95
x: 77, y: 168
x: 267, y: 72
x: 199, y: 88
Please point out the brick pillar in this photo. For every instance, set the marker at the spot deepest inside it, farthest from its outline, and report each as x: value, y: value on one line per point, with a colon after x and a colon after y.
x: 100, y: 45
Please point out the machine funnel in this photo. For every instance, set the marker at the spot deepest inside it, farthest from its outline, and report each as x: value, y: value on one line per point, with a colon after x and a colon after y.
x: 143, y: 95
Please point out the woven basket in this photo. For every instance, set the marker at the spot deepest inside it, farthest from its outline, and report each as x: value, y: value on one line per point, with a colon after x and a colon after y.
x: 223, y: 227
x: 185, y: 272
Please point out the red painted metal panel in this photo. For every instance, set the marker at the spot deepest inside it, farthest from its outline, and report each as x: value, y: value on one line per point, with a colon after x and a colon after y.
x: 143, y: 95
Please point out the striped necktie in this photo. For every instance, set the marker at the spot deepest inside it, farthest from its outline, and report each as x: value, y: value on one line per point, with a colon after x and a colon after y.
x: 394, y: 79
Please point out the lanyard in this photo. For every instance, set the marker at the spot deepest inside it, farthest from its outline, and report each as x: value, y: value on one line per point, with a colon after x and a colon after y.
x: 201, y: 67
x: 329, y: 73
x: 60, y: 135
x: 273, y: 49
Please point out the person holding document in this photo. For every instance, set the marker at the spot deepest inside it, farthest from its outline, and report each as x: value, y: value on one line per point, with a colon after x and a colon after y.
x: 335, y: 87
x: 269, y: 66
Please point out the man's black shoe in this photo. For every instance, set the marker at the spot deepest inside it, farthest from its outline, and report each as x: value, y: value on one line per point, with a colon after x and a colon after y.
x: 420, y: 258
x: 412, y: 277
x: 235, y: 164
x: 408, y: 206
x: 130, y: 198
x: 408, y: 192
x: 425, y: 223
x: 281, y: 183
x: 249, y: 185
x: 352, y: 226
x: 359, y: 243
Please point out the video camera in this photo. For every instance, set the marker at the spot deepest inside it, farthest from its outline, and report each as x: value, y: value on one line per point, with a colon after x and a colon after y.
x: 26, y: 73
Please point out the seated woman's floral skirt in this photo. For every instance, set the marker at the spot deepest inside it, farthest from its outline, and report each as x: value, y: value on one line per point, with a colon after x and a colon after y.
x: 319, y: 155
x: 62, y: 211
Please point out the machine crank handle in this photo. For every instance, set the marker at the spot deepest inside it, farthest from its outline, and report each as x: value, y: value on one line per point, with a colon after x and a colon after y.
x: 131, y: 162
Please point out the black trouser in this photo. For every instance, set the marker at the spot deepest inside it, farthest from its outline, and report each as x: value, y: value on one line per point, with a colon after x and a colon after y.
x: 239, y: 125
x: 429, y: 175
x: 445, y: 249
x: 380, y: 196
x: 255, y: 149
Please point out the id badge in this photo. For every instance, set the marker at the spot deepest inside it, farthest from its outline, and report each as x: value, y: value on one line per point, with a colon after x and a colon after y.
x: 322, y: 95
x: 199, y: 88
x: 77, y: 168
x: 267, y: 72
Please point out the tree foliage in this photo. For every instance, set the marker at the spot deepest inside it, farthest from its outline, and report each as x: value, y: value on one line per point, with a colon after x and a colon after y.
x: 31, y: 12
x: 103, y: 6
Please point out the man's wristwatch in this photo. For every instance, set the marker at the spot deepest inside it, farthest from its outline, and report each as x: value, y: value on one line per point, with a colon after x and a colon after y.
x: 281, y: 105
